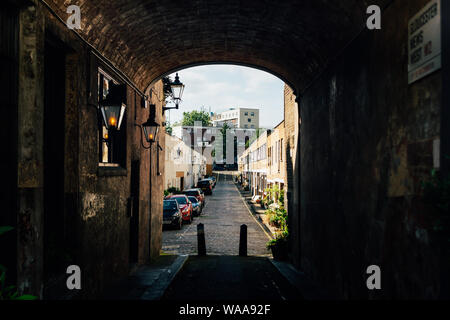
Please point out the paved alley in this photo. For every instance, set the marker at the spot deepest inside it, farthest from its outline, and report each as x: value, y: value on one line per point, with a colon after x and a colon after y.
x: 222, y: 217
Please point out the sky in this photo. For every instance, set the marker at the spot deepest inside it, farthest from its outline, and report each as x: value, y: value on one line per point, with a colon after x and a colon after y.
x: 221, y: 87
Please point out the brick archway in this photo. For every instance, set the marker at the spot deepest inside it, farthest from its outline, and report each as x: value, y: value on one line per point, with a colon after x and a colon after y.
x: 291, y: 39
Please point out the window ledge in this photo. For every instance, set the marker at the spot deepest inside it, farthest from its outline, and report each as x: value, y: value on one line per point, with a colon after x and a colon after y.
x: 111, y: 170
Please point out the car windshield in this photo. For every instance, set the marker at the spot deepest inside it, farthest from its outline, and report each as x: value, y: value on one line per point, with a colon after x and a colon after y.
x: 181, y: 200
x: 191, y: 193
x: 193, y: 199
x: 203, y: 183
x: 170, y: 204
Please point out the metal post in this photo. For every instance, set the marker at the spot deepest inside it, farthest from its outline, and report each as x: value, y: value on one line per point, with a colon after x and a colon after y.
x: 243, y: 241
x: 201, y: 240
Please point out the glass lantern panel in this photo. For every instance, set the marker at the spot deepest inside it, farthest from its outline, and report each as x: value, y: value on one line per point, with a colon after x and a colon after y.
x: 177, y: 91
x: 150, y: 132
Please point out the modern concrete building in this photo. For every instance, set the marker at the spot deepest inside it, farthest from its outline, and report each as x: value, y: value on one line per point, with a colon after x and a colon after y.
x: 244, y: 118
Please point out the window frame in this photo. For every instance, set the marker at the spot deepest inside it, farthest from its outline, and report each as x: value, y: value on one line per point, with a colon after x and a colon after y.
x: 112, y: 166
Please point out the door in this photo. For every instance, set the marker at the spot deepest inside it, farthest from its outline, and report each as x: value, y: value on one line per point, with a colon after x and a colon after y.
x: 181, y: 183
x: 8, y: 132
x: 55, y: 252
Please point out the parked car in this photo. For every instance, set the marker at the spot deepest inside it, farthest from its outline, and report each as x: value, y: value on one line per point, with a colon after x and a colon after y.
x: 198, y: 193
x: 196, y: 206
x: 205, y: 185
x: 172, y: 214
x: 213, y: 181
x: 185, y: 206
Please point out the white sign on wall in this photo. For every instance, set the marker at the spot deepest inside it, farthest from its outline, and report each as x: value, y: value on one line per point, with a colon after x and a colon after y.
x: 424, y: 42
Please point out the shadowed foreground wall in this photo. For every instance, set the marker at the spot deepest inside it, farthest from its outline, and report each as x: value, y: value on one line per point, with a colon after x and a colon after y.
x: 366, y: 143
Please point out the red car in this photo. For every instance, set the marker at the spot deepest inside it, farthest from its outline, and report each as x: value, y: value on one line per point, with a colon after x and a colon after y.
x: 185, y: 206
x: 198, y: 193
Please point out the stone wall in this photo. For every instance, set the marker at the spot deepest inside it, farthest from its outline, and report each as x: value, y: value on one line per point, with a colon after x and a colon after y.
x: 366, y: 144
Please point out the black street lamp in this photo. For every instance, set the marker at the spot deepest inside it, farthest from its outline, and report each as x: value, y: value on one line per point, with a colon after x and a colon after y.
x: 113, y: 108
x: 177, y: 88
x: 150, y: 127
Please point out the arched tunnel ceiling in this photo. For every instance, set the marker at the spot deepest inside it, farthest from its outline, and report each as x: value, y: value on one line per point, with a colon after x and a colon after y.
x: 292, y: 39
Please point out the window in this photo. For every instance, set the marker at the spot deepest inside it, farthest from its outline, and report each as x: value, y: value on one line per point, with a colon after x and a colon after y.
x: 281, y: 150
x: 112, y: 144
x: 249, y: 120
x: 252, y: 126
x: 252, y: 114
x: 269, y: 156
x: 246, y: 113
x: 246, y: 126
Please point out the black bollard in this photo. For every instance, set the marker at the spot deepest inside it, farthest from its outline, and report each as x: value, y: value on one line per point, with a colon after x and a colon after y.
x: 243, y: 241
x: 201, y: 245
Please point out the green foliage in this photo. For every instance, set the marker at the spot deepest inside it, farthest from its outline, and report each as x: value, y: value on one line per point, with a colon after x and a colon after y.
x: 10, y: 292
x: 280, y: 239
x: 274, y: 195
x: 189, y: 118
x: 166, y: 193
x: 224, y: 129
x: 168, y: 128
x: 166, y: 87
x: 273, y: 200
x: 278, y: 218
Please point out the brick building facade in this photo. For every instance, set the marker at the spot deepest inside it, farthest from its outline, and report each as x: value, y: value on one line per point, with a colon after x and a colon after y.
x: 74, y: 207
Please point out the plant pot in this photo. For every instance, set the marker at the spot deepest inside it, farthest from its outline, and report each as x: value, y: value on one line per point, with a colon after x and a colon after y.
x: 280, y: 251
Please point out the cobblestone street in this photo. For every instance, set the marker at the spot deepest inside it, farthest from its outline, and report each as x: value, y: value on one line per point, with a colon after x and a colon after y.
x: 222, y: 217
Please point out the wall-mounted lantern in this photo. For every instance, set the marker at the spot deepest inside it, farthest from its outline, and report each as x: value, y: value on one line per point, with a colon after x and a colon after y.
x: 113, y: 107
x: 150, y: 128
x: 177, y: 88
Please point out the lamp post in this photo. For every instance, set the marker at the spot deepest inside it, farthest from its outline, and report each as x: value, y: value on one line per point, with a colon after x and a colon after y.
x: 177, y: 88
x: 150, y: 128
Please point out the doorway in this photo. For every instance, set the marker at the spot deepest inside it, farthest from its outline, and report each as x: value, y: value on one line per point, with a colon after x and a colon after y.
x: 9, y: 34
x: 55, y: 253
x: 181, y: 183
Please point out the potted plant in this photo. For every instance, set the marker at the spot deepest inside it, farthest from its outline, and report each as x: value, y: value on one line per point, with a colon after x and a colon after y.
x: 279, y: 246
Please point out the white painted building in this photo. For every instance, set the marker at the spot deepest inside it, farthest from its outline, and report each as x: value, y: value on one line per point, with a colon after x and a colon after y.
x: 183, y: 165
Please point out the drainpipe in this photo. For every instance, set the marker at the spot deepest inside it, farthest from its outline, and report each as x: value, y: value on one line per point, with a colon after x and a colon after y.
x: 150, y: 204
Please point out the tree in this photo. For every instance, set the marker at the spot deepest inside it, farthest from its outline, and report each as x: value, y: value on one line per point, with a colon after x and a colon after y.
x: 169, y: 128
x: 189, y: 118
x: 166, y: 87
